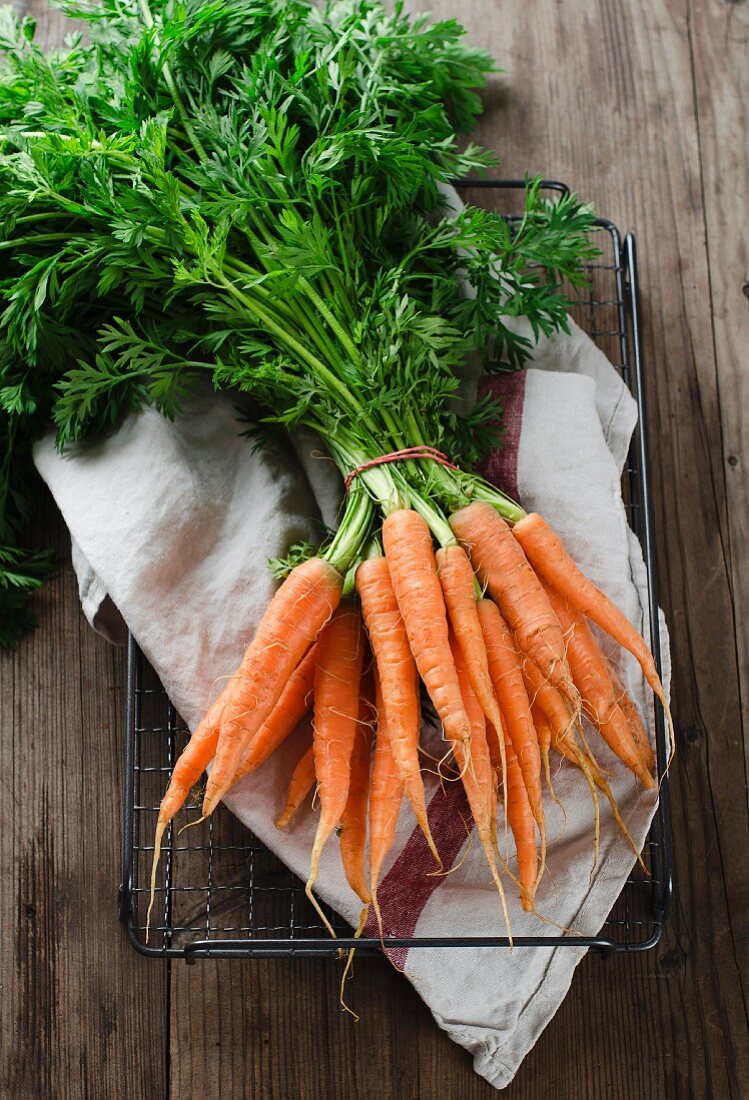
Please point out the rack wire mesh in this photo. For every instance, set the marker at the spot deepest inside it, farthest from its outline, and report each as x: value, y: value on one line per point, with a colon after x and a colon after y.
x: 220, y: 892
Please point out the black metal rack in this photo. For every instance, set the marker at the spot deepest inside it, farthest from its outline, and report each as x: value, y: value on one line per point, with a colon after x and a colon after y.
x: 221, y: 893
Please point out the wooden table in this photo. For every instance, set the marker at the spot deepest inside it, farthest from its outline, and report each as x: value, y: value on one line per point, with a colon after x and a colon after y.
x: 639, y: 106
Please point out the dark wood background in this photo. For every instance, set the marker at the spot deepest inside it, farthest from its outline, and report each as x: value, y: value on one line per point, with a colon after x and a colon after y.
x: 641, y: 106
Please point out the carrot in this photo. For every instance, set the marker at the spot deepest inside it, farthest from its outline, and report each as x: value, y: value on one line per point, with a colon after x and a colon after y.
x: 496, y: 750
x: 544, y: 734
x: 340, y: 654
x: 505, y: 671
x: 478, y: 777
x: 386, y: 792
x: 553, y: 704
x: 550, y: 713
x: 459, y: 588
x: 503, y: 568
x: 193, y: 761
x: 353, y: 830
x: 545, y: 551
x: 296, y: 614
x: 484, y: 775
x: 556, y: 729
x: 398, y: 679
x: 632, y: 715
x: 201, y: 747
x: 556, y: 709
x: 301, y: 783
x: 353, y: 835
x: 591, y: 673
x: 507, y: 677
x: 293, y: 704
x: 523, y: 826
x: 413, y: 570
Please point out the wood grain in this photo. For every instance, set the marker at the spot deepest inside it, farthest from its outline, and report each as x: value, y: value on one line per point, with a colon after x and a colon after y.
x: 720, y: 42
x: 641, y: 106
x: 80, y: 1013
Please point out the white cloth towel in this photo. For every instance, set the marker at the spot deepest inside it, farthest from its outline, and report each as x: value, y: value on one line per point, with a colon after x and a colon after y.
x: 172, y: 525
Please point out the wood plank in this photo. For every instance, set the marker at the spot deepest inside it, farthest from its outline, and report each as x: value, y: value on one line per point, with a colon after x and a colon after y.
x: 274, y: 1029
x: 720, y: 38
x: 80, y: 1013
x: 719, y: 34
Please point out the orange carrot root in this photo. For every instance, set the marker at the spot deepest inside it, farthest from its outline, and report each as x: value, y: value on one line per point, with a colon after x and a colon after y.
x: 546, y: 553
x: 594, y: 776
x: 459, y: 588
x: 591, y: 673
x: 192, y: 762
x: 522, y: 823
x: 340, y: 655
x: 294, y: 702
x: 502, y: 566
x: 386, y: 793
x: 301, y: 783
x: 399, y: 707
x: 635, y: 723
x: 506, y: 673
x: 478, y: 776
x: 295, y: 616
x: 545, y: 737
x: 353, y: 832
x: 413, y: 570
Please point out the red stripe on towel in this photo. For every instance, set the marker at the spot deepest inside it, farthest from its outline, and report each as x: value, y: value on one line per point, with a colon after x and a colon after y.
x: 501, y: 467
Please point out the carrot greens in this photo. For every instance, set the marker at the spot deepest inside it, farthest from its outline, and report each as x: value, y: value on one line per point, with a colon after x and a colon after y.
x: 252, y: 190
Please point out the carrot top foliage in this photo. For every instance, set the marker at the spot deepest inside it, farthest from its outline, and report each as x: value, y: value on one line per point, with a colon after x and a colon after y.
x: 251, y: 190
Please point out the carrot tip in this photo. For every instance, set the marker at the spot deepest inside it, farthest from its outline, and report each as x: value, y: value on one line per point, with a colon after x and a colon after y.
x: 191, y: 824
x: 363, y: 917
x: 645, y: 778
x: 209, y: 805
x: 350, y: 962
x: 432, y: 847
x: 378, y: 914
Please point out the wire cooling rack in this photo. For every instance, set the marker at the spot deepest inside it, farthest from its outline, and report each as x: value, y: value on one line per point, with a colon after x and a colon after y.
x: 220, y: 892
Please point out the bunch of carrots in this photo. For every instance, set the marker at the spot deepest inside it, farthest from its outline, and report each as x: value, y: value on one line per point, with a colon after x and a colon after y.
x: 495, y: 624
x: 255, y: 191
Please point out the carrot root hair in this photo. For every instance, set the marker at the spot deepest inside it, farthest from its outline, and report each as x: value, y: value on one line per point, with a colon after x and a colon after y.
x: 323, y: 832
x: 620, y: 821
x: 192, y: 824
x: 348, y: 969
x: 158, y: 836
